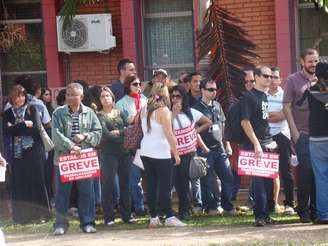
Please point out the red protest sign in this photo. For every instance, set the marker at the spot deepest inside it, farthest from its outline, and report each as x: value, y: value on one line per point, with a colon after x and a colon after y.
x: 267, y: 167
x: 75, y: 167
x: 186, y: 139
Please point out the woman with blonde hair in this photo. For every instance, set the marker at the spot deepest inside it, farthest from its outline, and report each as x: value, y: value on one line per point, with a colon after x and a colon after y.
x: 156, y: 147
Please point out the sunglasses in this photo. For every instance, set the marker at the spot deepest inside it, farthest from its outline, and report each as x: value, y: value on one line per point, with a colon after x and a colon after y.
x: 175, y: 96
x: 266, y: 76
x: 210, y: 89
x: 136, y: 84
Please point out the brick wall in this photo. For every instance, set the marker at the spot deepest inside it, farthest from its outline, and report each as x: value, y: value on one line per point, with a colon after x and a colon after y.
x: 259, y: 21
x: 98, y: 68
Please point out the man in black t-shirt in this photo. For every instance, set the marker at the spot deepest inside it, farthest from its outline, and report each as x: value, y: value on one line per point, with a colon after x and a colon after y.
x: 254, y: 121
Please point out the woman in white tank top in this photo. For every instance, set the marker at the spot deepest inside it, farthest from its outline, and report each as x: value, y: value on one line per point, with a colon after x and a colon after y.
x: 156, y: 147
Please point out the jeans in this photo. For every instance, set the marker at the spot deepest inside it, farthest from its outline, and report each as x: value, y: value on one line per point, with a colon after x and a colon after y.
x: 159, y: 185
x: 219, y: 161
x: 86, y: 201
x: 236, y: 185
x: 306, y: 186
x: 285, y: 169
x: 263, y: 191
x: 196, y: 193
x: 111, y: 166
x: 97, y: 189
x: 181, y: 180
x: 116, y: 191
x: 136, y: 187
x: 211, y: 190
x: 319, y: 158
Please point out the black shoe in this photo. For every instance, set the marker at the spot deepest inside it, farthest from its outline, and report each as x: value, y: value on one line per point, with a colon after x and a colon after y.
x: 305, y: 218
x: 141, y: 212
x: 259, y: 222
x: 320, y: 222
x: 184, y: 216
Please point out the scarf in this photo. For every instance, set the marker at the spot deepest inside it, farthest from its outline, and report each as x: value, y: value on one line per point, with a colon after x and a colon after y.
x: 20, y: 142
x: 136, y: 97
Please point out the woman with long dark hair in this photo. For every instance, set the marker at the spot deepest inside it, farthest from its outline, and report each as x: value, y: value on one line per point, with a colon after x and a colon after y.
x: 187, y: 123
x: 29, y: 195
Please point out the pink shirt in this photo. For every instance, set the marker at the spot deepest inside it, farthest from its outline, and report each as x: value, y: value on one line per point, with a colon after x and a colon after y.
x: 294, y: 87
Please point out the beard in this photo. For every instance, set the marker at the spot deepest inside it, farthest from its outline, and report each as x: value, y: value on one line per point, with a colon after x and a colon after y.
x: 309, y: 69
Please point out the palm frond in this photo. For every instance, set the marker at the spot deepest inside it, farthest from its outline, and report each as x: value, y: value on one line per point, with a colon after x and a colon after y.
x: 228, y: 48
x: 69, y: 10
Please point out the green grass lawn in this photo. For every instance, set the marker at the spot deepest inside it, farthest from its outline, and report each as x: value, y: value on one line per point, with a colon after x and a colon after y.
x: 196, y: 221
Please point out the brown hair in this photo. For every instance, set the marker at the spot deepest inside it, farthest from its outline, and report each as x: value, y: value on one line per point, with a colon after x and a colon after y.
x: 127, y: 83
x: 105, y: 88
x: 308, y: 52
x: 15, y: 92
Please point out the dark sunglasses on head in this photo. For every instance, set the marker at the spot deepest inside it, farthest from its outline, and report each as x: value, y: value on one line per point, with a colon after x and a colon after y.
x: 266, y: 76
x: 136, y: 84
x: 210, y: 89
x: 175, y: 96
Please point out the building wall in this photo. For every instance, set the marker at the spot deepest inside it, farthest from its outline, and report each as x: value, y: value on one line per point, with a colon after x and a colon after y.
x: 259, y: 21
x: 99, y: 68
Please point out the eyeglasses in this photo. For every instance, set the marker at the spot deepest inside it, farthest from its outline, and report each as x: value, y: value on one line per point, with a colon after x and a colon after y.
x: 136, y: 84
x: 275, y: 77
x: 210, y: 89
x: 175, y: 96
x: 266, y: 76
x: 250, y: 81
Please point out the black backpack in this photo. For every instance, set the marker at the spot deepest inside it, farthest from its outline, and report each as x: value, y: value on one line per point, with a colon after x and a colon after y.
x: 233, y: 130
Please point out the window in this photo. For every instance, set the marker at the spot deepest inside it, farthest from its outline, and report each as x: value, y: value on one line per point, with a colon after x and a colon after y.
x: 25, y: 57
x: 168, y: 36
x: 312, y: 28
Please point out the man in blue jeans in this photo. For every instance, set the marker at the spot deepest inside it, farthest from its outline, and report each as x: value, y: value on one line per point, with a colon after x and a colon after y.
x: 217, y: 157
x: 75, y: 127
x: 254, y: 121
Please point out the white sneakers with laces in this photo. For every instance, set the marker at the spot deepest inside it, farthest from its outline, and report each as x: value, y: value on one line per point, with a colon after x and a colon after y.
x: 174, y: 222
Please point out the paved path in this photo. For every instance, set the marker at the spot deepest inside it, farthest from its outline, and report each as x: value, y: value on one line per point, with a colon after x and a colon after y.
x: 296, y: 233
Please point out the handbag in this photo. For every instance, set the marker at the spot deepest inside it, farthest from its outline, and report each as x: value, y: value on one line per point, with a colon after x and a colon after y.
x: 198, y: 164
x: 198, y: 167
x: 133, y: 135
x: 46, y: 140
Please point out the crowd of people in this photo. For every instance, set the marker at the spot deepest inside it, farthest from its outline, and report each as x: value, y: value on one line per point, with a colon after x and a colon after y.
x: 178, y: 121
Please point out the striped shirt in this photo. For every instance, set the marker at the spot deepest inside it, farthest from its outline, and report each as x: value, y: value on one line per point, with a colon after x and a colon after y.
x: 75, y: 122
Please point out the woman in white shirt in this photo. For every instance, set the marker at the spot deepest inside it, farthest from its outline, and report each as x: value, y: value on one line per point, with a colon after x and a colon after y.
x: 184, y: 121
x: 156, y: 147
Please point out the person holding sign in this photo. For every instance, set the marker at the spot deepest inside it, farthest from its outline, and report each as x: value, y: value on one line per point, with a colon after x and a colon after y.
x: 254, y: 121
x: 75, y: 127
x: 114, y: 158
x: 184, y: 119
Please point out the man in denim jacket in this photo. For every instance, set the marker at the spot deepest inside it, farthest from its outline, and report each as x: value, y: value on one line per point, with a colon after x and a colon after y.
x: 74, y: 128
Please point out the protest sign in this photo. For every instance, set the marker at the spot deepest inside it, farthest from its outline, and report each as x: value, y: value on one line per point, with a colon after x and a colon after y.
x: 267, y: 166
x: 75, y: 167
x: 186, y: 139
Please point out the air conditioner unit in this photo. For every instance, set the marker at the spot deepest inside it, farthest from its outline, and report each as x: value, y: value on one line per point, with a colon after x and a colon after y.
x: 86, y: 34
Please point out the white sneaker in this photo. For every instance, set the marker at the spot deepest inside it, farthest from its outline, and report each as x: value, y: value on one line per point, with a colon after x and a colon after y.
x: 89, y: 229
x: 174, y: 222
x: 215, y: 212
x: 197, y: 210
x: 289, y: 210
x: 154, y: 222
x: 59, y: 231
x: 278, y: 209
x: 110, y: 223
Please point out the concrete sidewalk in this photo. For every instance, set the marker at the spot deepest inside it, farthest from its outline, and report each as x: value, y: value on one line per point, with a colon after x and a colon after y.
x: 241, y: 235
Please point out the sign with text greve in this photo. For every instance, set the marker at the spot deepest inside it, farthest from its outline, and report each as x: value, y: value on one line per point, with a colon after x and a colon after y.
x: 76, y: 167
x: 267, y: 166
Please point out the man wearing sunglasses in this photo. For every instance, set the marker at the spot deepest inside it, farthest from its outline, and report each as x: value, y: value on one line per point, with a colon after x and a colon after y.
x: 254, y: 121
x: 217, y: 156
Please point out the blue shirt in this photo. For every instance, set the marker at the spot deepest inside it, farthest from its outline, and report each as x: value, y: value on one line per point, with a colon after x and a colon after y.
x: 118, y: 89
